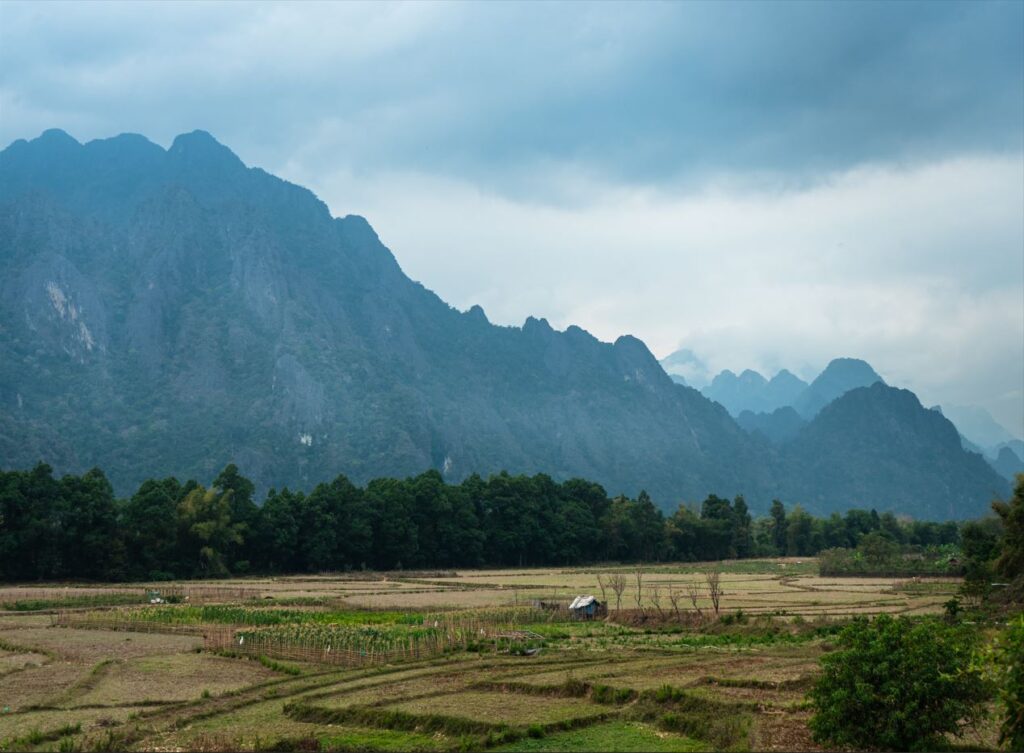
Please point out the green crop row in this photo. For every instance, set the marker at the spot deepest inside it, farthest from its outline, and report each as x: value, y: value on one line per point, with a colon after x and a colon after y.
x: 168, y: 614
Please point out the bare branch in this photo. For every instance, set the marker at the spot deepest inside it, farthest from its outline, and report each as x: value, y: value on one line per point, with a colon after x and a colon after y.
x: 640, y: 588
x: 673, y: 598
x: 714, y: 588
x: 656, y: 600
x: 617, y: 583
x: 693, y: 591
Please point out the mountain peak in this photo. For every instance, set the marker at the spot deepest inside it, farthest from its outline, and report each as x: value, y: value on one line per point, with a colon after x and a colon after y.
x: 200, y: 147
x: 57, y: 136
x: 839, y: 377
x: 853, y: 368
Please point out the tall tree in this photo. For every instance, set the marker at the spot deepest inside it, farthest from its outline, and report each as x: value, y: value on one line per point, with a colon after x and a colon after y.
x: 780, y: 528
x: 207, y: 535
x: 150, y: 529
x: 1010, y: 560
x: 800, y: 533
x: 742, y: 534
x: 90, y: 536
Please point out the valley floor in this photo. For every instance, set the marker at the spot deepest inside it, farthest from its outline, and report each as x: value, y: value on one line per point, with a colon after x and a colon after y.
x: 145, y: 677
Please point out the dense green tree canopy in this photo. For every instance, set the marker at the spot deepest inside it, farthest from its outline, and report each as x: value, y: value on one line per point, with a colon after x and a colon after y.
x: 73, y: 527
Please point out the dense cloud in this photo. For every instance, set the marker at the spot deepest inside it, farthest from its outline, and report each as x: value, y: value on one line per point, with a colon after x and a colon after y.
x: 768, y: 184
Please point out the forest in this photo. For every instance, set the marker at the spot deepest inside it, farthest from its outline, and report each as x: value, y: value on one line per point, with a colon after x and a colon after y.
x: 74, y: 527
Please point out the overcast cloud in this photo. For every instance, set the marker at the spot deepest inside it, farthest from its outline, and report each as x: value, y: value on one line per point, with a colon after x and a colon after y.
x: 770, y: 185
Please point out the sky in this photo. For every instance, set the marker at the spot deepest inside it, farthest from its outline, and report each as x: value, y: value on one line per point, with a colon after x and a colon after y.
x: 770, y: 185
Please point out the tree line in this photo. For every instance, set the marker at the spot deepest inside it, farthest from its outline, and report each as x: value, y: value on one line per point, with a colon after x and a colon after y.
x: 74, y: 527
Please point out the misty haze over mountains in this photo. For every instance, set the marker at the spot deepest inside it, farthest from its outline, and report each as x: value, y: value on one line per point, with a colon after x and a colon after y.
x: 171, y: 311
x: 778, y: 408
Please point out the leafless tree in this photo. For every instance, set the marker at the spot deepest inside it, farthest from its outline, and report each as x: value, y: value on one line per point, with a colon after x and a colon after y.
x: 656, y: 600
x: 617, y: 583
x: 693, y: 591
x: 601, y: 585
x: 640, y: 588
x: 714, y: 588
x: 674, y: 597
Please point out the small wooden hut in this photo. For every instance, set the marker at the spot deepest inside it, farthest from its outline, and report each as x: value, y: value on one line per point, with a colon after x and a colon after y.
x: 587, y: 608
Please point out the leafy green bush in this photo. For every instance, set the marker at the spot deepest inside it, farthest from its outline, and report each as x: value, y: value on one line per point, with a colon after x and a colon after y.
x: 897, y: 684
x: 1008, y: 662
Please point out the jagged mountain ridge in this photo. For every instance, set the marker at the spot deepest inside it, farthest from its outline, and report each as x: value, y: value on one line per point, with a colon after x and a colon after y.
x: 170, y: 311
x: 750, y: 391
x: 187, y: 311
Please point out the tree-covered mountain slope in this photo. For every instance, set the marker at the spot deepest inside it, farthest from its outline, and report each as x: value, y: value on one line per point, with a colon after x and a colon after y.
x: 879, y: 447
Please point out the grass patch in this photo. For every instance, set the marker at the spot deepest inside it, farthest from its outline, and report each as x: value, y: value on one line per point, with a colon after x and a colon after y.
x: 72, y: 602
x: 609, y: 737
x: 170, y: 614
x: 277, y: 666
x: 17, y: 648
x: 355, y: 739
x: 36, y: 737
x: 722, y: 725
x: 511, y: 709
x: 84, y: 685
x: 392, y: 719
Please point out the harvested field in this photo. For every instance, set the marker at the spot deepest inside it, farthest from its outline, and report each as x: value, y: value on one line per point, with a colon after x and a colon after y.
x: 38, y: 685
x: 13, y: 726
x: 524, y: 679
x: 501, y: 708
x: 172, y: 677
x: 91, y: 646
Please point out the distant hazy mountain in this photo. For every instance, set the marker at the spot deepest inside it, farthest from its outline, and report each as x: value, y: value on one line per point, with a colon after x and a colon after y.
x: 686, y: 368
x: 1017, y: 445
x: 1008, y: 463
x: 752, y: 392
x: 778, y: 426
x: 978, y: 426
x: 879, y: 447
x: 171, y: 311
x: 838, y: 378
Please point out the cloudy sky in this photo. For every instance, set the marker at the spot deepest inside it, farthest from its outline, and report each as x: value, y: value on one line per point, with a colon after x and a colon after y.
x: 769, y: 185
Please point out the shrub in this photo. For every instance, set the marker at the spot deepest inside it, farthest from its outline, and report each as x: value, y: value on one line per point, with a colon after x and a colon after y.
x: 897, y: 684
x: 1008, y: 663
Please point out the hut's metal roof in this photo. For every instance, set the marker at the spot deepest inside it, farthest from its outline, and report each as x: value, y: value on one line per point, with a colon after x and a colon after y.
x: 582, y: 601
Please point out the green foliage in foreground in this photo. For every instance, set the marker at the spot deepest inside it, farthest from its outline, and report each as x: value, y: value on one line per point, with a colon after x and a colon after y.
x: 1007, y: 665
x: 897, y: 684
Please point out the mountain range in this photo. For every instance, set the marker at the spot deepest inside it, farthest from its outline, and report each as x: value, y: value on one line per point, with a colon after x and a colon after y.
x: 777, y: 409
x: 168, y: 311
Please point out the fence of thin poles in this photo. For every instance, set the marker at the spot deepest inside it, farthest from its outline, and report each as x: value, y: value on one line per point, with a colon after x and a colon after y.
x: 345, y: 645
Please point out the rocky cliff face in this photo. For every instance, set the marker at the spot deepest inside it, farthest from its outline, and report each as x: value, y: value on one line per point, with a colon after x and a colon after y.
x: 171, y: 311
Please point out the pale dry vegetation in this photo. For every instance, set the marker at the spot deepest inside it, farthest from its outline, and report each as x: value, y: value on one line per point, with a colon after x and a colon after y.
x: 593, y: 685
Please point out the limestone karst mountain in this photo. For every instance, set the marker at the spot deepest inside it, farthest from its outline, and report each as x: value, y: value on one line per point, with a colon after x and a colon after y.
x: 171, y: 311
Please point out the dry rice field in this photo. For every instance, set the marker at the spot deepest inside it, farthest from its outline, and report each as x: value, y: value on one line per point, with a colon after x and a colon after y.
x: 581, y: 686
